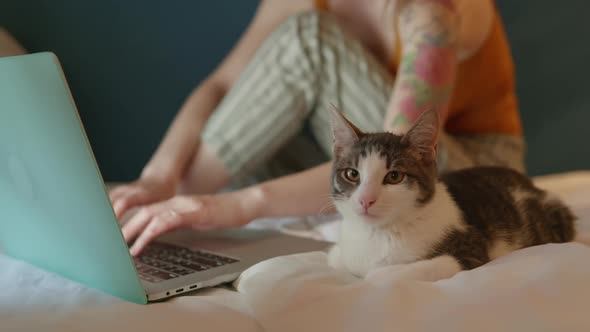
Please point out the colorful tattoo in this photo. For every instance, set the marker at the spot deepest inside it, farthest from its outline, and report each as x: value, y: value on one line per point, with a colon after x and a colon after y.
x: 427, y: 69
x: 427, y: 78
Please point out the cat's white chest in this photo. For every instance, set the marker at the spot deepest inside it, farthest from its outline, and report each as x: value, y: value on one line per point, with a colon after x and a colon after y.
x: 362, y: 248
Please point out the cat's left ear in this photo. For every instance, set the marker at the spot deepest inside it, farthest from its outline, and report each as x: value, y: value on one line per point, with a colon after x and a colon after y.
x: 344, y: 133
x: 423, y: 136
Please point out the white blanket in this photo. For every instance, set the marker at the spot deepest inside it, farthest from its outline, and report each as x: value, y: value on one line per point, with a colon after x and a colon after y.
x: 34, y: 300
x: 545, y: 288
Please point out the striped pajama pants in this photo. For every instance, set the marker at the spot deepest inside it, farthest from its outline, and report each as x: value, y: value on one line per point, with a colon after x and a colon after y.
x: 275, y: 120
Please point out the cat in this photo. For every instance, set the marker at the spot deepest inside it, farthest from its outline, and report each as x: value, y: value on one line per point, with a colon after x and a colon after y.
x: 396, y: 211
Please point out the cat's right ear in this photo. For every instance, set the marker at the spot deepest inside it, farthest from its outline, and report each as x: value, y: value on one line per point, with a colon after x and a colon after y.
x: 423, y: 136
x: 344, y: 133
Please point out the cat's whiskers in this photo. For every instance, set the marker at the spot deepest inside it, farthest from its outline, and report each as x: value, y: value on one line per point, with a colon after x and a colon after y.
x: 327, y: 207
x: 330, y: 202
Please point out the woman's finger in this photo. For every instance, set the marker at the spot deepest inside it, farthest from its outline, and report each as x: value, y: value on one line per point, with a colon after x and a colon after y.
x: 158, y: 225
x: 137, y: 223
x: 132, y: 199
x: 117, y: 192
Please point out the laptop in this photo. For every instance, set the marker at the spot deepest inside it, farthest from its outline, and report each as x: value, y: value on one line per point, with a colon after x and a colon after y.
x: 56, y: 213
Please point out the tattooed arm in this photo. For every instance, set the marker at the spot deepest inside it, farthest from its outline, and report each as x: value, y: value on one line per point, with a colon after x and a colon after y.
x: 425, y: 78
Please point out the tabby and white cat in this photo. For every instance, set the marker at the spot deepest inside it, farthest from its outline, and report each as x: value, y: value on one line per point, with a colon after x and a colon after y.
x: 397, y: 211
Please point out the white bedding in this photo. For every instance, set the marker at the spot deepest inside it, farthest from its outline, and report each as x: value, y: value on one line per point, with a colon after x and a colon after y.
x: 545, y: 288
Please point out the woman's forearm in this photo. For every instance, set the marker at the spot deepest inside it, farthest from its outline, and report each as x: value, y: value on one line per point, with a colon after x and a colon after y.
x: 182, y: 138
x: 8, y: 45
x: 301, y: 194
x: 428, y: 66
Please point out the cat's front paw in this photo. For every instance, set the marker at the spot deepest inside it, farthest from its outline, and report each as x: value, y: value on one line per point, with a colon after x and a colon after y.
x: 335, y: 258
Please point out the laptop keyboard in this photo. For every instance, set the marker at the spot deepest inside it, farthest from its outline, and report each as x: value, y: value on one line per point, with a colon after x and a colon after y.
x: 162, y: 261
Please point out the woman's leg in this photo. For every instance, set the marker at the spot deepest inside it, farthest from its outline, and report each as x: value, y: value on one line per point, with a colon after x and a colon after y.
x: 265, y: 111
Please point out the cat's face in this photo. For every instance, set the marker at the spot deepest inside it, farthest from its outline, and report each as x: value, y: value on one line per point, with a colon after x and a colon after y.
x: 377, y: 178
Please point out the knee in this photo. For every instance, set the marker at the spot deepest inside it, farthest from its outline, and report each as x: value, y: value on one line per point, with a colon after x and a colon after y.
x: 310, y: 19
x: 310, y: 27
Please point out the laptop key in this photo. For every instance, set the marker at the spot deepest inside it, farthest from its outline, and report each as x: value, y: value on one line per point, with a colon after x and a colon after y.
x: 190, y: 261
x: 183, y: 272
x: 215, y: 257
x: 147, y: 277
x: 194, y: 266
x: 159, y: 275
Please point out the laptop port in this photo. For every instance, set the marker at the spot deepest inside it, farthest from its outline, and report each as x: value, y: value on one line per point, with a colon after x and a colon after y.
x: 193, y: 287
x: 179, y: 290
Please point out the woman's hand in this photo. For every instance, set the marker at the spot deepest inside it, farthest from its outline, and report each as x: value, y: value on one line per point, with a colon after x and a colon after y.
x: 146, y: 190
x: 196, y: 212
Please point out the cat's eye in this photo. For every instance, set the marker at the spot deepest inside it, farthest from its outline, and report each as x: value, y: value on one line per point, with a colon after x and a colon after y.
x: 351, y: 174
x: 393, y: 177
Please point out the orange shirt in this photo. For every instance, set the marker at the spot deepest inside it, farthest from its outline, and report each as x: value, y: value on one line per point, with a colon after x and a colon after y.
x: 484, y: 98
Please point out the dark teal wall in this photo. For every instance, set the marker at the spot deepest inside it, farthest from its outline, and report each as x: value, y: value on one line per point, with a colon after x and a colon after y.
x: 130, y: 64
x: 551, y: 48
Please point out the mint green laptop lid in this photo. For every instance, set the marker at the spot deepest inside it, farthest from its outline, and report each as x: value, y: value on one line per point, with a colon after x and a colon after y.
x: 54, y: 211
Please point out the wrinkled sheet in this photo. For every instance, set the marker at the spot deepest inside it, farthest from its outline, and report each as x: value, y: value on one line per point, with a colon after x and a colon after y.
x: 545, y: 288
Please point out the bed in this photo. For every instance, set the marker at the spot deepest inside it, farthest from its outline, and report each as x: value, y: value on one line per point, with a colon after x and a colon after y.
x: 544, y: 288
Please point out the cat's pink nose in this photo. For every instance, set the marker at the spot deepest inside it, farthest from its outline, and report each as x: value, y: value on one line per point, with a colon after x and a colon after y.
x: 367, y: 202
